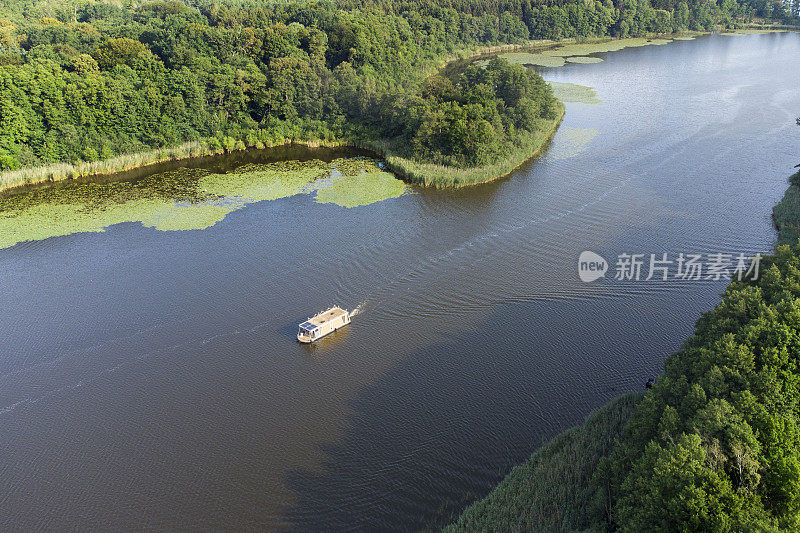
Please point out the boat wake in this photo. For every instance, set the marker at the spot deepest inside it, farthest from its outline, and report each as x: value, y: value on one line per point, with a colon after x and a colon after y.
x: 358, y: 310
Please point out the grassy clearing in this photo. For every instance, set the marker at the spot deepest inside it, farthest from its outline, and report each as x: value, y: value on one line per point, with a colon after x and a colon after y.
x: 786, y: 214
x: 573, y: 93
x: 527, y: 147
x: 552, y: 491
x: 185, y: 199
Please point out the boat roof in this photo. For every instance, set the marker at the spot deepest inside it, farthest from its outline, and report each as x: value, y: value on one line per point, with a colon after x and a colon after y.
x: 323, y: 317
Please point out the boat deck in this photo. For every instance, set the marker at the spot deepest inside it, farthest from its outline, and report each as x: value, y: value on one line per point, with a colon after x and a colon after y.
x: 325, y: 317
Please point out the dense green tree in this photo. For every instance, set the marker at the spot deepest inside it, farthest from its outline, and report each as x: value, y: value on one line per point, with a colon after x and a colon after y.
x: 81, y: 78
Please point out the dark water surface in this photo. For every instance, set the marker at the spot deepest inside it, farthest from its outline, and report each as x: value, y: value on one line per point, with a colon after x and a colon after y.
x: 151, y: 379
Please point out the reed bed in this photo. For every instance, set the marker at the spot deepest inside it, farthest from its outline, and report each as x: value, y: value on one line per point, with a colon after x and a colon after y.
x: 61, y: 171
x: 552, y: 491
x: 121, y: 163
x: 786, y: 215
x: 413, y: 171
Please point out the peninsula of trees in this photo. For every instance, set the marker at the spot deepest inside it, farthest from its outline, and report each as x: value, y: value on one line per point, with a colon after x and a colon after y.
x: 86, y: 80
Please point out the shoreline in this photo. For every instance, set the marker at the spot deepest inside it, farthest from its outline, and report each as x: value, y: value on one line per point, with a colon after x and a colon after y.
x: 443, y: 177
x: 426, y: 174
x: 582, y: 453
x: 415, y: 172
x: 411, y: 171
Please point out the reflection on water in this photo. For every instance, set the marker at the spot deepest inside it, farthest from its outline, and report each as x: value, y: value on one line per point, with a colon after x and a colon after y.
x: 186, y: 198
x: 152, y: 378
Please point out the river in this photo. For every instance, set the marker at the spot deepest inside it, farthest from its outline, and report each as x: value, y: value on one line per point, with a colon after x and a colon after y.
x: 149, y: 373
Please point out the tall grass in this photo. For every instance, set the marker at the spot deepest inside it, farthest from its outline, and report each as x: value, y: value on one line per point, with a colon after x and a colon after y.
x: 786, y: 214
x: 528, y: 146
x: 413, y: 171
x: 552, y: 491
x: 60, y: 171
x: 121, y: 163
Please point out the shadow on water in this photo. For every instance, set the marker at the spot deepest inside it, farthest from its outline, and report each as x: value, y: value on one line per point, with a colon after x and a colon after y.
x: 408, y: 469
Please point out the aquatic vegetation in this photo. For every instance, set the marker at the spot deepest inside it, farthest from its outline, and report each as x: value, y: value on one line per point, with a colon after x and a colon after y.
x: 786, y: 214
x: 571, y: 92
x: 529, y: 58
x: 556, y: 478
x: 750, y: 31
x: 178, y: 216
x: 265, y: 181
x: 584, y: 60
x: 576, y: 52
x: 60, y: 171
x: 362, y: 189
x: 570, y: 142
x: 186, y: 199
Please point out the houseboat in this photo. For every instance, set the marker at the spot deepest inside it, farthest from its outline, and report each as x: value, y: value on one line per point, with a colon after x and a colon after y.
x: 323, y: 323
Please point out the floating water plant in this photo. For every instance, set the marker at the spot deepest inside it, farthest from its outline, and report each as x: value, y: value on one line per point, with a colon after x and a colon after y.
x: 576, y: 52
x: 186, y: 199
x: 584, y: 60
x: 571, y: 92
x: 363, y: 189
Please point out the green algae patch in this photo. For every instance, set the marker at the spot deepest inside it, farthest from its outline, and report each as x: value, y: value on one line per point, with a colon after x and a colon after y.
x: 585, y: 49
x: 362, y: 189
x: 559, y: 55
x: 571, y: 142
x: 534, y: 59
x: 178, y: 217
x: 585, y: 60
x: 272, y: 181
x: 185, y: 199
x: 750, y: 31
x: 574, y: 93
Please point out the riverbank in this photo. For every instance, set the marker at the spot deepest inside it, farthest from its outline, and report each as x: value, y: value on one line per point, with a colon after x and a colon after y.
x: 786, y: 214
x: 63, y: 171
x: 418, y: 172
x: 528, y: 146
x: 552, y: 490
x: 600, y: 475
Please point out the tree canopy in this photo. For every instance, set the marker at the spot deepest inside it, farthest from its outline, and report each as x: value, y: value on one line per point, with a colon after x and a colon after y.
x: 81, y: 80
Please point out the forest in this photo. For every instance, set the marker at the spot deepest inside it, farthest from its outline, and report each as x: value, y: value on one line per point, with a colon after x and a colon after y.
x: 88, y: 80
x: 713, y: 446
